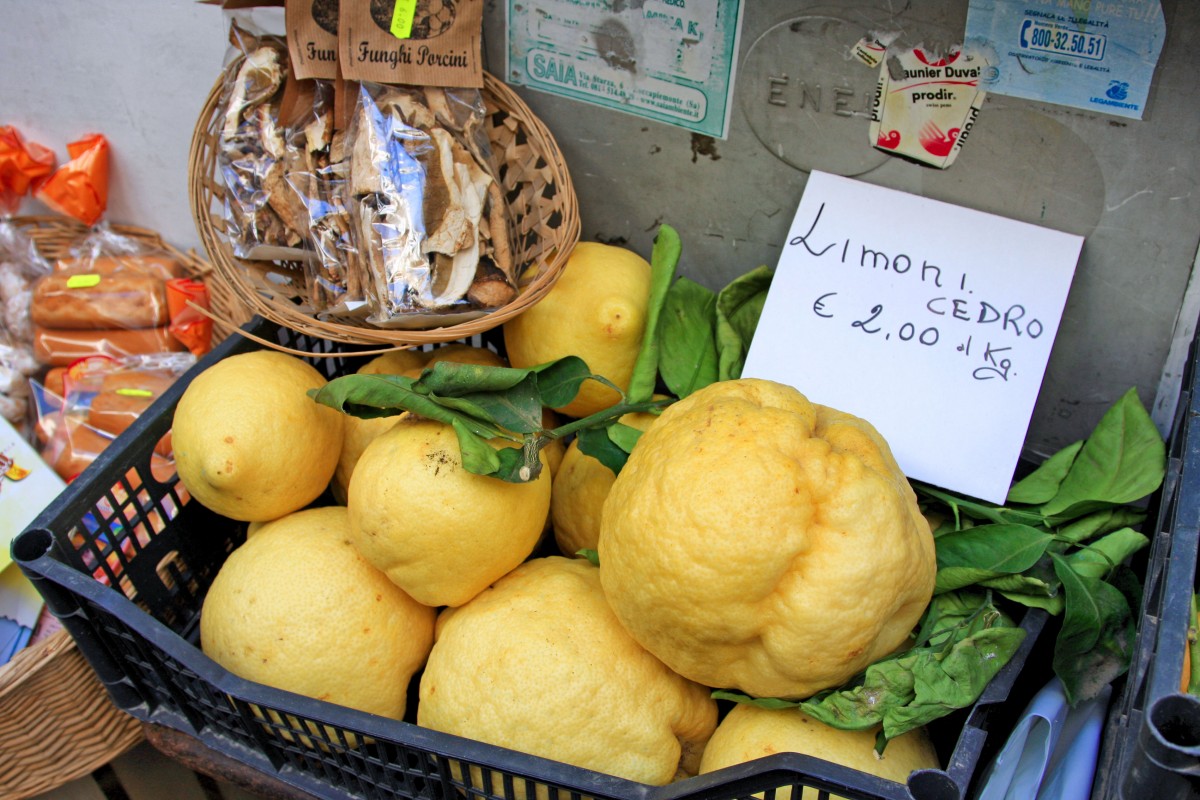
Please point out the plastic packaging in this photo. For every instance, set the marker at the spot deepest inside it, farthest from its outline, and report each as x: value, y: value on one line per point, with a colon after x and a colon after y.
x: 109, y: 297
x: 79, y: 188
x: 266, y: 219
x: 100, y: 398
x: 318, y: 175
x: 23, y: 165
x: 430, y: 220
x: 20, y: 267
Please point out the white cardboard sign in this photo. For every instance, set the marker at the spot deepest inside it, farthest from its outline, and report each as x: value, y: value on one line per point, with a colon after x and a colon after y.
x: 932, y: 321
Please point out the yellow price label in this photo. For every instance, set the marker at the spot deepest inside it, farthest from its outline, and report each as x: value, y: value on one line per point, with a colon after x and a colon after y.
x: 402, y: 18
x: 135, y: 392
x: 82, y: 281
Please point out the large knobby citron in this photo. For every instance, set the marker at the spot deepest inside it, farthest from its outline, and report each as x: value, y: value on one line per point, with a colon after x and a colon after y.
x: 757, y: 541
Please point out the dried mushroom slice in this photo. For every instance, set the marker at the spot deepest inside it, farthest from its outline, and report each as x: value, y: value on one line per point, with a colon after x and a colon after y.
x: 258, y: 79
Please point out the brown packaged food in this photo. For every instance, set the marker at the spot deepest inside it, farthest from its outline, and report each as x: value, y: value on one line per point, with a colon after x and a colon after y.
x: 162, y: 267
x: 59, y: 348
x: 125, y: 396
x: 92, y: 301
x: 53, y: 382
x: 70, y: 446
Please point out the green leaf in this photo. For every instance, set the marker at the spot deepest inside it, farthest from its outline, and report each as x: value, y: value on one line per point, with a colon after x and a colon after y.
x: 687, y: 338
x: 978, y: 509
x: 596, y: 443
x: 1123, y: 461
x: 1022, y: 584
x: 1094, y: 644
x: 558, y: 381
x: 591, y: 555
x: 478, y: 455
x: 964, y: 641
x: 451, y: 379
x: 974, y: 555
x: 1100, y: 523
x: 623, y: 436
x: 664, y: 258
x: 739, y: 305
x: 954, y: 680
x: 1051, y: 605
x: 1042, y: 484
x: 885, y: 685
x: 1098, y: 558
x: 772, y: 703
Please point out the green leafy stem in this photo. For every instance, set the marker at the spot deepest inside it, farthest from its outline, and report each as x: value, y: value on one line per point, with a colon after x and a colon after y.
x: 692, y: 337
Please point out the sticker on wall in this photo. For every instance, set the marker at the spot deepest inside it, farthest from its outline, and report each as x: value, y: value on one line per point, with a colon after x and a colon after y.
x: 672, y: 61
x: 1098, y: 56
x: 926, y: 103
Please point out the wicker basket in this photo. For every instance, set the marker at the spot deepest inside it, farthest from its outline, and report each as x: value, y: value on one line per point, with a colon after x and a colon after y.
x: 542, y: 205
x: 57, y: 722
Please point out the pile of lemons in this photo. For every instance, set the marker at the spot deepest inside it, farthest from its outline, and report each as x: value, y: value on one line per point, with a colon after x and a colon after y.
x: 754, y: 540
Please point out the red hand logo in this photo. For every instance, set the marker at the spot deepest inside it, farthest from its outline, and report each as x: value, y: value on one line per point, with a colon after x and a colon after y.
x: 890, y: 140
x: 935, y: 141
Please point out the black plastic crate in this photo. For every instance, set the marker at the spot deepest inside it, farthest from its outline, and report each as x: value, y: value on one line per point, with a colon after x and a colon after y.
x: 1151, y: 745
x: 124, y: 559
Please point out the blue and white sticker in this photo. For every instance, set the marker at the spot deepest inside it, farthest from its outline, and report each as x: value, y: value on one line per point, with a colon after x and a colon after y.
x: 672, y: 61
x: 1081, y: 53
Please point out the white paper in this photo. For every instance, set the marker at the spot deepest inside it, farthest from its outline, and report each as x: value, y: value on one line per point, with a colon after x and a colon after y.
x: 932, y: 321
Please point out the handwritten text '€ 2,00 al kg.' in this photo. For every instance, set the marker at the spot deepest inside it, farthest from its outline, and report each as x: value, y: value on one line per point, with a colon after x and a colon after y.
x: 1008, y: 324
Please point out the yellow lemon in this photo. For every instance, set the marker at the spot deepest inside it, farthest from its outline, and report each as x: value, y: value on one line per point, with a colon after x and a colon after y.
x: 297, y: 608
x: 596, y: 310
x: 758, y: 541
x: 538, y: 663
x: 394, y: 362
x: 580, y: 488
x: 441, y: 533
x: 360, y: 432
x: 461, y: 353
x: 748, y: 732
x: 250, y: 444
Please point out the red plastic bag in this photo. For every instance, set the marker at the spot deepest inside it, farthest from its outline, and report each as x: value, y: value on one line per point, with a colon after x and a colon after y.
x: 22, y: 166
x: 79, y: 188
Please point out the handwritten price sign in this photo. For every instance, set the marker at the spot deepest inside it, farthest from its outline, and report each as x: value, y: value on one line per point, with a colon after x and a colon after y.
x: 932, y: 321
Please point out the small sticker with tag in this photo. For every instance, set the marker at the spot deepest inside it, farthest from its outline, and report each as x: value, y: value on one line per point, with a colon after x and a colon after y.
x: 83, y: 281
x: 402, y: 18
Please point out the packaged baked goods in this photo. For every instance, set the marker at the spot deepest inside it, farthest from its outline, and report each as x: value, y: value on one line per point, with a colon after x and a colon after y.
x: 61, y: 346
x: 100, y: 398
x: 430, y: 222
x: 108, y: 296
x: 92, y: 300
x: 20, y: 267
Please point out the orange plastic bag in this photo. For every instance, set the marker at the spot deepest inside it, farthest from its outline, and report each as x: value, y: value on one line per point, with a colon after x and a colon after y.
x: 79, y: 188
x: 22, y: 166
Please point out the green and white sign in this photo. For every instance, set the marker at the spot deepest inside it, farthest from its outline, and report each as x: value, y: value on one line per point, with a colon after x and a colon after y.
x: 671, y: 61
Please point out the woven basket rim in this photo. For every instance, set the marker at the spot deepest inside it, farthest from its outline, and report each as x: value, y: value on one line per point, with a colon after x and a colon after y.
x: 226, y: 266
